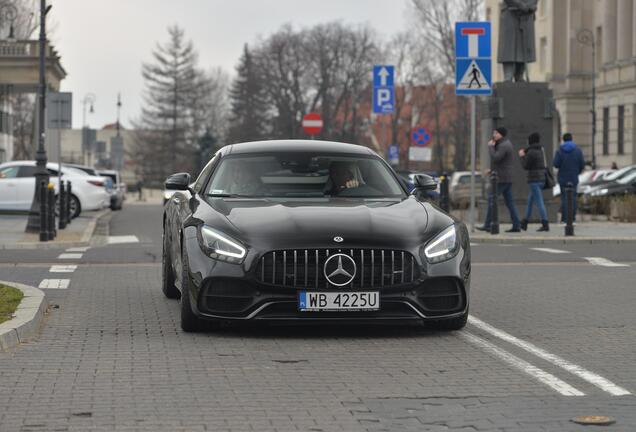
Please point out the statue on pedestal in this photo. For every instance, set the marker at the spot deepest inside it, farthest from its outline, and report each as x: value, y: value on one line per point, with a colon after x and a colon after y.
x: 516, y: 37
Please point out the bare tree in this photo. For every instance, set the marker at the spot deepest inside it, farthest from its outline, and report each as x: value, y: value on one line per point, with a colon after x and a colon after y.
x: 434, y: 21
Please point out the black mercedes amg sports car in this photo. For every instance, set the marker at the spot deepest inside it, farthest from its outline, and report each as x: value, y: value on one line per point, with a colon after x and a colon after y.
x: 311, y: 231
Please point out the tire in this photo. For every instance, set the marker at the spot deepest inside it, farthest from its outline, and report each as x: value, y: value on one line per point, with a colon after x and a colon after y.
x: 168, y: 286
x: 451, y: 324
x: 190, y: 323
x: 75, y: 207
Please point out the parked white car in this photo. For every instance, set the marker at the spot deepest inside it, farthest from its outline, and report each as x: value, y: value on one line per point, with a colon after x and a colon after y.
x: 17, y: 187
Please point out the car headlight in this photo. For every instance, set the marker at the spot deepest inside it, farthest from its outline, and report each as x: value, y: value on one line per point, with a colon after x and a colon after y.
x: 443, y: 247
x: 220, y: 246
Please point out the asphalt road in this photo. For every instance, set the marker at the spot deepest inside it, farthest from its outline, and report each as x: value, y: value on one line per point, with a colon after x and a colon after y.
x: 552, y: 336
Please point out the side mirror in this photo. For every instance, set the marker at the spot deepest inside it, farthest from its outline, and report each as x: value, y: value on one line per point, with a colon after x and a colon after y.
x: 179, y: 181
x: 425, y: 182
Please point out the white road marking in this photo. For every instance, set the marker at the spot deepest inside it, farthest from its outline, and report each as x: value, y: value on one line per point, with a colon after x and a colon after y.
x: 550, y: 250
x: 586, y: 375
x: 474, y: 244
x: 63, y: 268
x: 604, y: 262
x: 123, y: 239
x: 539, y: 374
x: 54, y: 283
x: 70, y: 256
x: 78, y: 249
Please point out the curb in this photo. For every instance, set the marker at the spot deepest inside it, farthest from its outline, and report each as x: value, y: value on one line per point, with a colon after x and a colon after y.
x: 27, y: 320
x: 54, y: 244
x: 550, y: 240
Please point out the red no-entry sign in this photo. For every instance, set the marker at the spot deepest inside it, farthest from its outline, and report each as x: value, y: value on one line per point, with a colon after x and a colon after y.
x: 312, y: 123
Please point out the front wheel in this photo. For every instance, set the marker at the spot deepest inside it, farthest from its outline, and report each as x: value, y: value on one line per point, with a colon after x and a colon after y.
x: 167, y: 280
x: 189, y: 321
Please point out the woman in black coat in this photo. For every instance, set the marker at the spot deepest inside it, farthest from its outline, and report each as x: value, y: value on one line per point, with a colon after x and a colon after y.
x: 533, y: 161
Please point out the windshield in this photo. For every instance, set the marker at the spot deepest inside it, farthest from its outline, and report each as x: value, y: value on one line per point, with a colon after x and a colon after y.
x: 628, y: 178
x: 613, y: 175
x: 303, y: 175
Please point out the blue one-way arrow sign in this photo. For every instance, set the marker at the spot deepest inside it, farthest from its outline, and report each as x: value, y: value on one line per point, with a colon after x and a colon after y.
x: 383, y: 90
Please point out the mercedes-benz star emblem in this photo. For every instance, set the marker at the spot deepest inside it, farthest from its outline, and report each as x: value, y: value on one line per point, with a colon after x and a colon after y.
x: 338, y: 239
x: 340, y: 269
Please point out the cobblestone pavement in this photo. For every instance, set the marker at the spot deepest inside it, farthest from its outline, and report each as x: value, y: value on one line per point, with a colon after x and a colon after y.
x: 111, y: 356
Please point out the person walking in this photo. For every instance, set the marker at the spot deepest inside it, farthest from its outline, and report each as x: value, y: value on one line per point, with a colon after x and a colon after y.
x: 533, y: 161
x: 568, y: 159
x: 502, y: 160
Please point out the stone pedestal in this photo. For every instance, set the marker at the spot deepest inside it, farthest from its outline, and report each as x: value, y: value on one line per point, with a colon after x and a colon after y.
x: 522, y: 108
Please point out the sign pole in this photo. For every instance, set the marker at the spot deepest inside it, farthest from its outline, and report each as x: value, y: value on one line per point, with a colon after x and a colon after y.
x: 473, y: 148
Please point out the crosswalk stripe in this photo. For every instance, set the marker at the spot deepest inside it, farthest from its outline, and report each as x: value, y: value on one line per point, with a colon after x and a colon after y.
x: 78, y: 249
x: 599, y: 261
x: 122, y: 239
x: 70, y: 256
x: 550, y: 250
x: 62, y: 268
x: 54, y: 283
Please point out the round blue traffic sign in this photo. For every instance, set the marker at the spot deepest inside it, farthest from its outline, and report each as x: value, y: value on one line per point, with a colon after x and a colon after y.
x: 420, y: 136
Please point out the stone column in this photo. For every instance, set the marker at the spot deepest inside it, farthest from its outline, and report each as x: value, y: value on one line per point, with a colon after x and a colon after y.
x: 624, y: 29
x: 609, y: 31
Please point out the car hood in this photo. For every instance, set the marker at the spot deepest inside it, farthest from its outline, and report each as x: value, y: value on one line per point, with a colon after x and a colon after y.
x: 303, y: 224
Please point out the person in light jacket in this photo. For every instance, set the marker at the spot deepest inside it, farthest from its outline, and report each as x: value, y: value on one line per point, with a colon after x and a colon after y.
x: 533, y: 161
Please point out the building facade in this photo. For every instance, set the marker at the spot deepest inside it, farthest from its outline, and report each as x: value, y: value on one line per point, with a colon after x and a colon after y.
x: 578, y: 41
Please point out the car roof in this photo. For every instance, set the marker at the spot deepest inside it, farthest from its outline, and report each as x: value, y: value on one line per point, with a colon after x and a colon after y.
x: 295, y: 146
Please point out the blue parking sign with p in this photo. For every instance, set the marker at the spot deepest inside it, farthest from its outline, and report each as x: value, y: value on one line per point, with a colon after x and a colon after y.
x: 383, y: 89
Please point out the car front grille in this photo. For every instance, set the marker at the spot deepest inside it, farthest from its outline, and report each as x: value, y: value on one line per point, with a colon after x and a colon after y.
x: 303, y: 268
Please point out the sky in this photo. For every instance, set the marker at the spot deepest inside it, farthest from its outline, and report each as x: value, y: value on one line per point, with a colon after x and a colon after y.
x: 103, y: 43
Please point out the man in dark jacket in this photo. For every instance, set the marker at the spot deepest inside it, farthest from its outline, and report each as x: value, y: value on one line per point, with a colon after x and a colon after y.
x: 502, y: 161
x: 533, y: 161
x: 568, y: 159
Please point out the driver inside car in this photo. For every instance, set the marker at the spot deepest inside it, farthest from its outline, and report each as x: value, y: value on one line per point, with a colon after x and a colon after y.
x: 245, y: 181
x: 341, y: 176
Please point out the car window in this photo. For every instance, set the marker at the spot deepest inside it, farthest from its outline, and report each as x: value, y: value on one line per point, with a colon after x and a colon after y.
x: 9, y: 172
x: 304, y: 175
x: 205, y: 173
x: 27, y: 171
x: 628, y: 178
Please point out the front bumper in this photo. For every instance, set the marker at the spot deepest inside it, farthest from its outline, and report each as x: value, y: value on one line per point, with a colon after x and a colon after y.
x: 231, y: 292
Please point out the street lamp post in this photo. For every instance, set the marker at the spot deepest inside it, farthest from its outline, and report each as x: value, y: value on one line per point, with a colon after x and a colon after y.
x: 586, y: 37
x: 41, y: 174
x: 87, y: 101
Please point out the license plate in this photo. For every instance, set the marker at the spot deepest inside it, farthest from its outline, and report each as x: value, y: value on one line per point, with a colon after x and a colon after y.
x: 309, y: 301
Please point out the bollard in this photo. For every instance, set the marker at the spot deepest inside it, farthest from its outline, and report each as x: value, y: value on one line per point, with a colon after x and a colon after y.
x: 69, y: 216
x: 494, y: 226
x: 61, y: 206
x: 569, y: 208
x: 44, y: 235
x: 444, y: 201
x: 51, y: 211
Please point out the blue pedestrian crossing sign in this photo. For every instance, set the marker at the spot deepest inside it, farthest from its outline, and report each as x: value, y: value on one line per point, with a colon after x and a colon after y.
x: 473, y: 58
x: 383, y: 89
